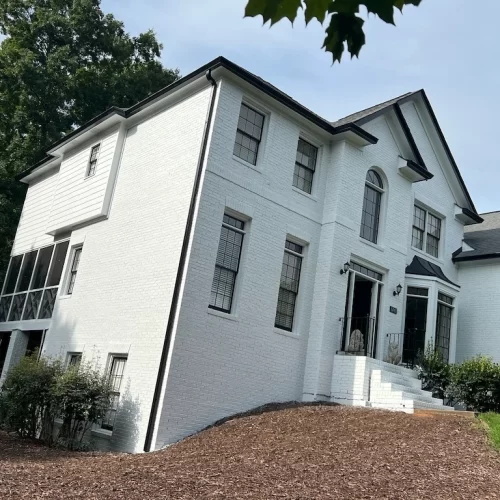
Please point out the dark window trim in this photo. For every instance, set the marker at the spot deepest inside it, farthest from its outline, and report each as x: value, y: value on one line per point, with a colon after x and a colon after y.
x: 251, y: 137
x: 426, y: 232
x: 92, y: 162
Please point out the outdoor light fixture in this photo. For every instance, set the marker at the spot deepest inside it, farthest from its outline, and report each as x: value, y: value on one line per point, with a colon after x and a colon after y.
x: 346, y: 268
x: 398, y: 290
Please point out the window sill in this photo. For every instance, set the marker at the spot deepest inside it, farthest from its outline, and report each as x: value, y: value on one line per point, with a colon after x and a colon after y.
x: 249, y: 165
x: 436, y: 260
x: 303, y: 193
x: 221, y: 314
x: 64, y: 297
x: 373, y: 245
x: 285, y: 333
x: 102, y: 433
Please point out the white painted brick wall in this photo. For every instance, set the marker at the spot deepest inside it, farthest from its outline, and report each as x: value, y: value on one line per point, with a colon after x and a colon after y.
x: 129, y: 262
x: 478, y: 317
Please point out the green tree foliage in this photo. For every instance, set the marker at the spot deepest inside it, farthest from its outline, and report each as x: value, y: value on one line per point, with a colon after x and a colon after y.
x: 433, y: 372
x: 62, y: 62
x: 345, y: 25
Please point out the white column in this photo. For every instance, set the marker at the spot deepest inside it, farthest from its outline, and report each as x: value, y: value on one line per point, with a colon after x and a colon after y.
x: 15, y: 352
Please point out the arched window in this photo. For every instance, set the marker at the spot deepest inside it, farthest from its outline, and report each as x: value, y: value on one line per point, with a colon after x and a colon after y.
x: 374, y: 188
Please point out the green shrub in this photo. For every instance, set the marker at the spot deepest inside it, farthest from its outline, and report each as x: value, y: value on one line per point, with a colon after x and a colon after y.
x: 433, y: 372
x: 82, y: 397
x: 37, y: 392
x: 26, y: 398
x: 476, y: 383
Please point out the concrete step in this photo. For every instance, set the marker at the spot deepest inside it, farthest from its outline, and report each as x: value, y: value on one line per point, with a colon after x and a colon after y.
x: 412, y: 406
x: 390, y: 386
x: 381, y: 376
x: 400, y: 370
x: 383, y: 396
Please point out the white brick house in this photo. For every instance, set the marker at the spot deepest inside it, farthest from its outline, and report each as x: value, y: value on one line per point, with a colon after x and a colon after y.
x: 338, y: 238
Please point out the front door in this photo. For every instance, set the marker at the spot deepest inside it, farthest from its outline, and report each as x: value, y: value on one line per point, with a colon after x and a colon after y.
x: 415, y: 323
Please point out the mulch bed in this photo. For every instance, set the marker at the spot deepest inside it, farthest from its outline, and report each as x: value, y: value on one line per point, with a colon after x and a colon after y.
x: 296, y: 453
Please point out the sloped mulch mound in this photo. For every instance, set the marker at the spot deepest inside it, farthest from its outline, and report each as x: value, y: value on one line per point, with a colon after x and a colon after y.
x: 297, y: 453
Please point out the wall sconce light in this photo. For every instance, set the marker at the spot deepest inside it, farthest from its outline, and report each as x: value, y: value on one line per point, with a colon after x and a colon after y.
x: 398, y: 290
x: 347, y: 266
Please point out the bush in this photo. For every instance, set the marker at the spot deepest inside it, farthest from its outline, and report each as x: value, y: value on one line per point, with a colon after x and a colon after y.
x: 476, y: 383
x: 38, y: 391
x: 434, y: 372
x: 26, y: 399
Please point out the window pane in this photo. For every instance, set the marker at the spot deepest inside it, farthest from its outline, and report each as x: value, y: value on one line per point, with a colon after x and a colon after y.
x: 58, y: 263
x: 371, y: 214
x: 27, y: 271
x: 432, y: 246
x: 303, y: 178
x: 289, y: 287
x: 445, y: 298
x: 419, y: 218
x: 434, y: 226
x: 226, y: 265
x: 367, y: 272
x: 42, y: 267
x: 306, y: 155
x: 248, y: 134
x: 246, y: 148
x: 412, y: 290
x: 417, y: 238
x: 443, y: 331
x: 374, y: 178
x: 15, y: 266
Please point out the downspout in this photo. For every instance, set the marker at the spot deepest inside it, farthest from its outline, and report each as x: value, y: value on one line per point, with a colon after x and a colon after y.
x: 180, y: 270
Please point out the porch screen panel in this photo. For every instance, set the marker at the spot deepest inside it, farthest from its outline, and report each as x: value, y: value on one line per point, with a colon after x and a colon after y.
x: 15, y: 266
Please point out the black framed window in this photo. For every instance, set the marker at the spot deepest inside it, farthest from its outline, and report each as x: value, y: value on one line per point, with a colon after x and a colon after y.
x: 248, y: 134
x: 227, y: 263
x: 443, y: 325
x: 116, y: 370
x: 75, y: 263
x: 94, y: 153
x: 57, y: 263
x: 305, y: 166
x: 426, y: 231
x: 42, y: 267
x: 74, y: 359
x: 289, y: 285
x: 367, y: 272
x: 26, y: 271
x: 372, y: 201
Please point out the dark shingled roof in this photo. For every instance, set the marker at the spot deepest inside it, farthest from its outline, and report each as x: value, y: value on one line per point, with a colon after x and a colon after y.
x: 369, y: 111
x: 422, y: 267
x: 483, y: 238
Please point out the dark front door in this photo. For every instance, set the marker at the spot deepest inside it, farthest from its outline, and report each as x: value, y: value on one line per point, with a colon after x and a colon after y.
x: 415, y: 326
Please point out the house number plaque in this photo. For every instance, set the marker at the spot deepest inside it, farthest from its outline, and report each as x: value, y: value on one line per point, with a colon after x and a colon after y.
x: 393, y: 310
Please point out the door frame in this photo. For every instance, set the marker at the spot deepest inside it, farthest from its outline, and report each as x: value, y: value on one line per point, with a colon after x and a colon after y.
x: 372, y: 345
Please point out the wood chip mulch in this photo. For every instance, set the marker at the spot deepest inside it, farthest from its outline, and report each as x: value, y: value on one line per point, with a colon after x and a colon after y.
x: 297, y: 453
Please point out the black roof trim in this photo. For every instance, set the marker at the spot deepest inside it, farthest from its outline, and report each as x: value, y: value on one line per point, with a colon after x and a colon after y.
x: 422, y: 267
x: 485, y: 256
x: 254, y: 80
x: 409, y: 135
x: 419, y: 169
x: 475, y: 217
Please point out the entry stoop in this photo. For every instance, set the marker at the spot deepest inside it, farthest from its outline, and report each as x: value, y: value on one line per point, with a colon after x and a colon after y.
x: 363, y: 381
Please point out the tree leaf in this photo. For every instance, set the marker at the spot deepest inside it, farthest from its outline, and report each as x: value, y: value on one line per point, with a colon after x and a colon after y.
x: 399, y: 4
x: 316, y: 9
x: 344, y: 29
x: 273, y: 10
x: 382, y: 8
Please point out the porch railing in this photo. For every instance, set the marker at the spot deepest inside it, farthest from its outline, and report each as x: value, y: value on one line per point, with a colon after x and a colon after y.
x: 358, y: 336
x: 404, y: 348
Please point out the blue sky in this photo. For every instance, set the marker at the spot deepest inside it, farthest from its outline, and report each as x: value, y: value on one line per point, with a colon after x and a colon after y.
x: 446, y: 47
